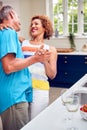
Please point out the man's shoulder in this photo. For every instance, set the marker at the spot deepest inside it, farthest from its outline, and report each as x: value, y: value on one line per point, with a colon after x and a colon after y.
x: 7, y: 30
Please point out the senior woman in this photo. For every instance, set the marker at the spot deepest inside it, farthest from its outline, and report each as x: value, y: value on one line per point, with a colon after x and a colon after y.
x: 40, y: 29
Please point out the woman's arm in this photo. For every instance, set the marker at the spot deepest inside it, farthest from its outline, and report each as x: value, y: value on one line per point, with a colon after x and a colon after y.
x: 51, y: 64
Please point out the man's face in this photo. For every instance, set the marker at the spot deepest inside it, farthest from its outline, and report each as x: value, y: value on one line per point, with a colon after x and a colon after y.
x: 16, y: 22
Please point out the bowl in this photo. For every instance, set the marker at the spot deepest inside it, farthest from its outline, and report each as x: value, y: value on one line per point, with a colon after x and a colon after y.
x: 83, y: 114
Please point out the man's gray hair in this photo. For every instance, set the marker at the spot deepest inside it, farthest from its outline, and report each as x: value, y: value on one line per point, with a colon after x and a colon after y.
x: 5, y: 10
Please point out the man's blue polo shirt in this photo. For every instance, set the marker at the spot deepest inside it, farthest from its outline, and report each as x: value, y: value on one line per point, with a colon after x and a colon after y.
x: 14, y: 87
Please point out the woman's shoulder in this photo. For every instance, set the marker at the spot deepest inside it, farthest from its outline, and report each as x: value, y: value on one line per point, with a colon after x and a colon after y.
x: 25, y: 42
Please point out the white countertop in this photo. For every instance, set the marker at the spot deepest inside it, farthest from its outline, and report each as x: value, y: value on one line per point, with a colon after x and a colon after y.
x: 53, y: 117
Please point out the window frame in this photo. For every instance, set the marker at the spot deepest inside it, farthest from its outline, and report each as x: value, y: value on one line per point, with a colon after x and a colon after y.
x: 80, y: 21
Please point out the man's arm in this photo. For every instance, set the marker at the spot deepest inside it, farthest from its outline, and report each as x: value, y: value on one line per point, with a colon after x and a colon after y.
x: 11, y: 64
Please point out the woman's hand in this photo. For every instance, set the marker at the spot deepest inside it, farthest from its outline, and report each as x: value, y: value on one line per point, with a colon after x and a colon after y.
x: 21, y: 39
x: 2, y: 26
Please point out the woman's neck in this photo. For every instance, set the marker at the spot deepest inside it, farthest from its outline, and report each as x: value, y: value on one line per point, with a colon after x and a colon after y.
x: 37, y: 41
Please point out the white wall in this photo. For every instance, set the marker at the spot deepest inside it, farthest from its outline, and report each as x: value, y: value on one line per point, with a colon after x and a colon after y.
x: 64, y: 42
x: 26, y: 9
x: 25, y: 14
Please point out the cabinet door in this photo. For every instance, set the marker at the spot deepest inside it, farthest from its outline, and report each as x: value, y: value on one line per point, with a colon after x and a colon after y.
x: 70, y: 68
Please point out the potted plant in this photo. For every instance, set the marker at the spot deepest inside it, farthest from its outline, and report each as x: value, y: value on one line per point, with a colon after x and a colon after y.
x: 71, y: 39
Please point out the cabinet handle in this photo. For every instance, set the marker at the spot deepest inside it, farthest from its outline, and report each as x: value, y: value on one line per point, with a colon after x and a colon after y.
x: 65, y: 62
x: 85, y: 57
x: 85, y: 62
x: 66, y: 73
x: 65, y: 57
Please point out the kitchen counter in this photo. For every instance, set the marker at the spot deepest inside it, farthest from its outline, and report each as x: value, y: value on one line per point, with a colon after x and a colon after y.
x: 70, y: 51
x: 73, y: 53
x: 53, y: 117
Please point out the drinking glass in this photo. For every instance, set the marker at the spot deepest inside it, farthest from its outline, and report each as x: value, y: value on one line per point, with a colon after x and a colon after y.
x: 72, y: 105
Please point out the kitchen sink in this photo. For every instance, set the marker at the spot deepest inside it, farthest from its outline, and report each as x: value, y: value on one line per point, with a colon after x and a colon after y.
x: 85, y: 84
x: 83, y: 98
x: 82, y: 92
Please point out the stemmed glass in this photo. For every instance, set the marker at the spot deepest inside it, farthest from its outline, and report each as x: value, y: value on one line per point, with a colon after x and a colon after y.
x: 71, y: 102
x: 72, y: 105
x: 64, y: 93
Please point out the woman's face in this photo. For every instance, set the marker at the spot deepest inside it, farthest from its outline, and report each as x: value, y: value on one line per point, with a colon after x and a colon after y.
x: 36, y: 28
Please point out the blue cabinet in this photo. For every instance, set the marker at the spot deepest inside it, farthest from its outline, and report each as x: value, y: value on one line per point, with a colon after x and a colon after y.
x: 70, y: 68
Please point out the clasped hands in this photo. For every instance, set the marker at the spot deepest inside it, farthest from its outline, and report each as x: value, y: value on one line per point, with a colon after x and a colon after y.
x: 43, y: 54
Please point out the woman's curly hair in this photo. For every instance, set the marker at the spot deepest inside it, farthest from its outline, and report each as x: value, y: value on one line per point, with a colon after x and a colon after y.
x: 46, y: 23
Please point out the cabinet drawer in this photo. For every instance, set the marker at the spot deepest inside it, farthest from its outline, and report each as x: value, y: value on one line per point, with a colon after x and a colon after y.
x: 72, y: 62
x: 66, y: 79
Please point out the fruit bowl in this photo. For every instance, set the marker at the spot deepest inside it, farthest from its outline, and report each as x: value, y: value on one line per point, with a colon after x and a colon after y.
x: 83, y: 111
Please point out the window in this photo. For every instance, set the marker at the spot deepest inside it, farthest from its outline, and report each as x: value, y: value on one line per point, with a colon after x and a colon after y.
x: 85, y: 15
x: 68, y: 16
x: 72, y: 14
x: 58, y: 15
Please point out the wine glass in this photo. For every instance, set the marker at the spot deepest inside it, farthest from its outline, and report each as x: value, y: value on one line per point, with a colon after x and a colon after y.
x: 63, y: 95
x: 72, y: 105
